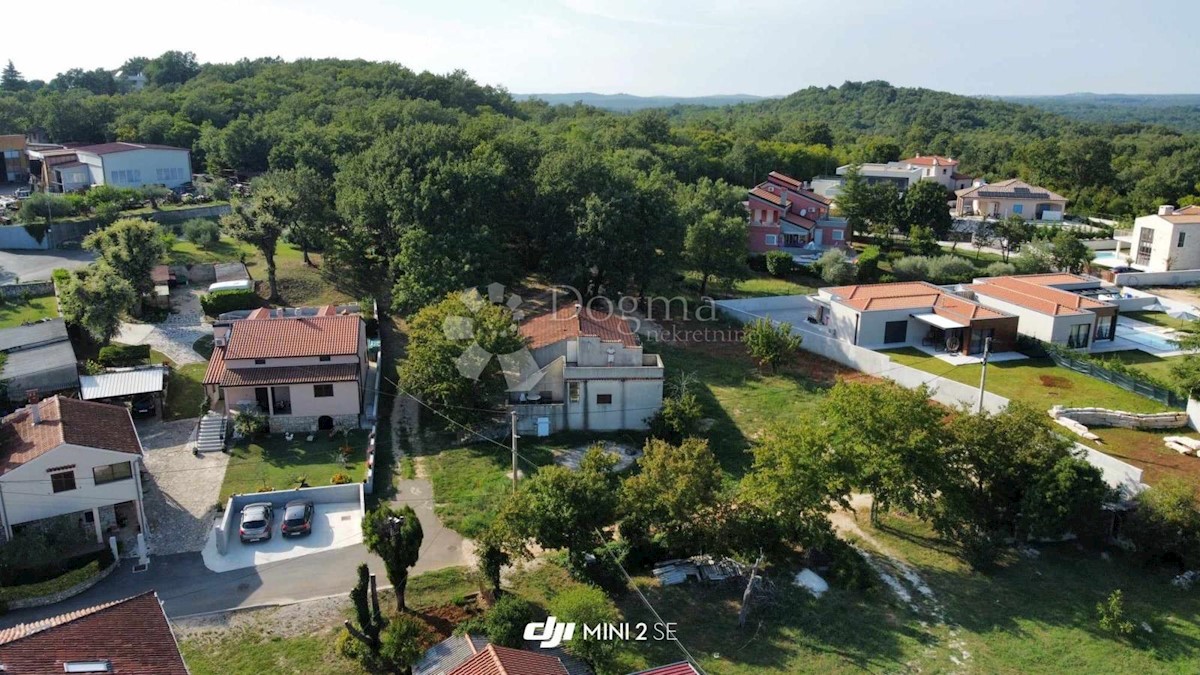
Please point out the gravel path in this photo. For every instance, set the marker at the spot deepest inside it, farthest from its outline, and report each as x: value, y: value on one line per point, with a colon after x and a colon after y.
x: 183, y: 491
x: 175, y: 336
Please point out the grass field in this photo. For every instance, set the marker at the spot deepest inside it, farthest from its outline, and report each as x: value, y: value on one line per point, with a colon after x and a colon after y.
x: 1038, y: 382
x: 14, y: 311
x: 1152, y: 365
x: 277, y: 463
x: 185, y: 392
x: 1160, y: 319
x: 299, y: 284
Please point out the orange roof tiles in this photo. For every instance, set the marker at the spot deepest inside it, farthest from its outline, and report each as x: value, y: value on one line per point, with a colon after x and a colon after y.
x: 931, y: 160
x: 785, y: 180
x: 569, y: 323
x: 264, y: 376
x: 216, y: 367
x: 284, y: 337
x: 911, y: 295
x: 770, y: 197
x: 495, y: 660
x: 65, y: 420
x: 1038, y: 296
x: 132, y: 635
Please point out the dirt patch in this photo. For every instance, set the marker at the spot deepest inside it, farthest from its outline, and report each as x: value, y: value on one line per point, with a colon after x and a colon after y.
x: 445, y: 618
x: 302, y: 618
x: 1146, y: 450
x: 1055, y: 381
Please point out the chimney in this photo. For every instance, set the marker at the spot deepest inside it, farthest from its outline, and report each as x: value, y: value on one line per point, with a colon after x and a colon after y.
x: 35, y: 410
x: 1166, y: 210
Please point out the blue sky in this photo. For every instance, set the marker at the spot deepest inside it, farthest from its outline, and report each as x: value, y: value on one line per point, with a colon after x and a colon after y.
x: 670, y: 47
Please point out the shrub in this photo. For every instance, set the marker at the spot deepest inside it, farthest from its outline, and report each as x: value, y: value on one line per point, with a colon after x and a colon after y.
x: 340, y: 479
x: 779, y: 264
x: 201, y: 232
x: 1000, y: 269
x: 42, y: 205
x: 60, y: 276
x: 1165, y: 526
x: 756, y: 262
x: 868, y: 264
x: 946, y: 269
x: 835, y: 268
x: 911, y: 268
x: 123, y: 356
x: 250, y: 422
x: 215, y: 304
x: 505, y: 622
x: 1111, y: 613
x: 679, y: 417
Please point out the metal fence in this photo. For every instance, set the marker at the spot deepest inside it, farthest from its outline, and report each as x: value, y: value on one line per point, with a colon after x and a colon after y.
x: 1136, y: 385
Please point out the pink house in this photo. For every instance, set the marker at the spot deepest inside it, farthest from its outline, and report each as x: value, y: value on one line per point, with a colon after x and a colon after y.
x: 785, y: 216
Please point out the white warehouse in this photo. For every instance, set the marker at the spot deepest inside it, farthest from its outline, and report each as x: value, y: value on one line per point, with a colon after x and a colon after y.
x: 118, y: 164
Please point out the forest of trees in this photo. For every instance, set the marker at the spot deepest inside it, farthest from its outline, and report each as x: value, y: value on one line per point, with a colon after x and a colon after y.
x: 439, y: 183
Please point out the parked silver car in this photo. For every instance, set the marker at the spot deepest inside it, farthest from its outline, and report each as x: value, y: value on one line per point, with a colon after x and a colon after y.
x: 256, y: 522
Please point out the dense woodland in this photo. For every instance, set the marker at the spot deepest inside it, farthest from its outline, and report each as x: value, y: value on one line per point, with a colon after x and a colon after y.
x: 1179, y: 111
x: 439, y: 182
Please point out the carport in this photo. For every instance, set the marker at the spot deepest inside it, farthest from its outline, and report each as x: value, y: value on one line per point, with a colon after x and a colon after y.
x: 127, y: 385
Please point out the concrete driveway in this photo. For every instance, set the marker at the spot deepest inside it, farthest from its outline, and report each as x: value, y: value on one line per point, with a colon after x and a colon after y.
x: 37, y: 265
x: 334, y: 526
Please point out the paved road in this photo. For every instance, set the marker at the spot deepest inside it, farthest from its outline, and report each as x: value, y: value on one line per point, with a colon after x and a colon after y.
x: 37, y: 265
x: 187, y: 587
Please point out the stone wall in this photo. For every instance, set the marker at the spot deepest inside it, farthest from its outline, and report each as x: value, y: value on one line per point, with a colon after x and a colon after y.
x: 43, y: 600
x: 306, y: 423
x: 1103, y: 417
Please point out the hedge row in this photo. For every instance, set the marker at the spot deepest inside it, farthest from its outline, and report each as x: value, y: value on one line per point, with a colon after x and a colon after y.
x: 215, y: 304
x: 98, y: 563
x: 124, y: 356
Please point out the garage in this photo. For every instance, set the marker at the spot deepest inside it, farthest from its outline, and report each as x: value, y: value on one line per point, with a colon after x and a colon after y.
x: 144, y: 388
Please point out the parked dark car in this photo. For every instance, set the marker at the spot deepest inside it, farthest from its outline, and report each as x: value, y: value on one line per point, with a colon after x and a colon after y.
x: 144, y: 406
x: 297, y: 518
x: 256, y: 522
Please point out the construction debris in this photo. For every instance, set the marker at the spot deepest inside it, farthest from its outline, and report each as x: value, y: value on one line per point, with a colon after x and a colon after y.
x: 1183, y: 445
x: 698, y: 567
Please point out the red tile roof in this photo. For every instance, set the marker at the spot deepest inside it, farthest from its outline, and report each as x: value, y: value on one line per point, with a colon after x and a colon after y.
x: 133, y: 635
x: 1036, y: 296
x: 770, y: 197
x: 261, y: 377
x: 911, y: 295
x: 160, y: 274
x: 1193, y: 210
x: 284, y: 337
x: 930, y: 160
x: 495, y: 660
x: 785, y: 180
x: 216, y: 367
x: 681, y: 668
x: 65, y: 420
x: 569, y: 323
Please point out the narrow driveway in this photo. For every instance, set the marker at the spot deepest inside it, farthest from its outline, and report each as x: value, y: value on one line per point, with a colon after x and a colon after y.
x: 37, y: 265
x: 181, y: 496
x: 187, y: 587
x: 176, y: 335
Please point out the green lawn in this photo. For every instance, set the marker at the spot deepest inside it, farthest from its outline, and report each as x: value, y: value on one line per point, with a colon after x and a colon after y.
x: 1152, y: 365
x: 273, y: 462
x: 251, y: 651
x: 299, y: 284
x: 1160, y: 319
x: 14, y: 311
x: 204, y: 346
x: 1038, y: 382
x: 185, y: 392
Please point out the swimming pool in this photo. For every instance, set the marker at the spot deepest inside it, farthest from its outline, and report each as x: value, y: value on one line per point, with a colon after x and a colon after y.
x: 1111, y: 259
x: 1155, y: 341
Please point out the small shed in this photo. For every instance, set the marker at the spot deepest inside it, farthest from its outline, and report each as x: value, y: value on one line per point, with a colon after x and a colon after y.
x: 144, y: 387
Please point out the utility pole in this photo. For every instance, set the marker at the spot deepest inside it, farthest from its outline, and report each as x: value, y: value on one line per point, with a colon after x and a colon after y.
x: 987, y: 350
x: 749, y: 589
x: 514, y: 450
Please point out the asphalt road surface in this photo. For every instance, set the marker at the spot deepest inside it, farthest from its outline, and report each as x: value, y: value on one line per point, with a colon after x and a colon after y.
x: 37, y: 265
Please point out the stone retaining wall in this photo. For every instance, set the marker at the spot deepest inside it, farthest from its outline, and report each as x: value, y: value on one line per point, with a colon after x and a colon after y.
x: 1103, y: 417
x: 32, y: 288
x: 43, y: 600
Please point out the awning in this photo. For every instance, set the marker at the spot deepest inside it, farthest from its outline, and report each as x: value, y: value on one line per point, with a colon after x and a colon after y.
x: 123, y: 382
x: 938, y: 320
x: 789, y: 228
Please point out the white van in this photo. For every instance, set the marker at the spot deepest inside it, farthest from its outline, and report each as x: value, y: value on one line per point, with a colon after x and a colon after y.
x: 239, y: 285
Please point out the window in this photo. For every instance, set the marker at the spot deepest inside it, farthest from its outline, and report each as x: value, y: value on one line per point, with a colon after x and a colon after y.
x: 604, y: 399
x: 63, y: 481
x: 838, y: 235
x: 322, y: 390
x: 1182, y: 236
x: 1079, y: 335
x: 324, y: 358
x: 771, y: 240
x: 1018, y: 208
x: 573, y: 392
x: 111, y: 473
x: 1145, y: 245
x: 895, y: 331
x: 87, y: 667
x: 260, y: 362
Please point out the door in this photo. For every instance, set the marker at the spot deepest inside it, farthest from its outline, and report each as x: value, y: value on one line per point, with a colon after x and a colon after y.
x: 895, y: 331
x: 263, y: 399
x: 543, y: 427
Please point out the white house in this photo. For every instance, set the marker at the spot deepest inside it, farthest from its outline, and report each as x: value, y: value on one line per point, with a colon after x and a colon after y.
x: 304, y: 372
x: 588, y: 372
x: 76, y: 460
x: 904, y: 174
x: 1052, y: 307
x: 119, y: 164
x: 1167, y: 240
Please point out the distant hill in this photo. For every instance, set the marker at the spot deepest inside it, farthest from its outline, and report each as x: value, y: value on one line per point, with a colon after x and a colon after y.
x: 1179, y: 111
x: 629, y: 102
